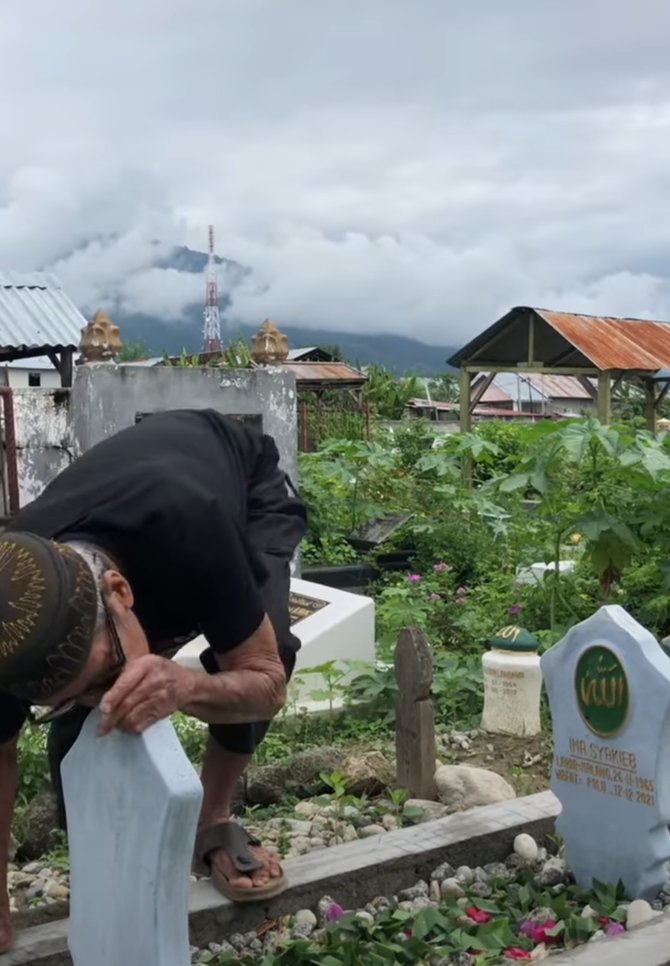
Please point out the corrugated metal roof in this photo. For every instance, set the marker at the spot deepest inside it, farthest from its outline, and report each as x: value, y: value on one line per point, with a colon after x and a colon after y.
x: 35, y: 312
x: 505, y: 387
x: 613, y: 343
x: 294, y: 355
x: 33, y: 363
x: 558, y: 387
x: 494, y: 394
x: 324, y: 372
x: 603, y: 342
x: 437, y: 404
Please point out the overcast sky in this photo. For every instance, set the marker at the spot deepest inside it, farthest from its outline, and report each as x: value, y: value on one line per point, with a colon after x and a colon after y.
x: 415, y: 166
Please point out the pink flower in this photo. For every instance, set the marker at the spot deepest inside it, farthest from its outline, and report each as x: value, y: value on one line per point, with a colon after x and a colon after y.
x: 461, y: 591
x: 333, y: 912
x: 515, y: 952
x: 460, y: 600
x: 614, y: 929
x: 537, y: 931
x: 414, y: 578
x: 433, y: 598
x: 515, y: 609
x: 478, y: 915
x: 439, y: 567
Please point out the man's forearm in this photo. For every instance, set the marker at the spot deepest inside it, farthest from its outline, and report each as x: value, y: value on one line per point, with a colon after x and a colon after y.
x: 8, y: 783
x: 237, y: 697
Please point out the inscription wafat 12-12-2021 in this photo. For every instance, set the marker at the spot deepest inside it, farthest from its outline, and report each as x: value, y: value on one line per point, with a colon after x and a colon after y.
x: 608, y: 683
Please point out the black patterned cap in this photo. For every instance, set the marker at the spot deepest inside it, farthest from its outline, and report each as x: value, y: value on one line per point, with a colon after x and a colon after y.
x: 48, y: 612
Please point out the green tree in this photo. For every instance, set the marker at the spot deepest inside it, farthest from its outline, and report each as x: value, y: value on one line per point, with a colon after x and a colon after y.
x: 133, y: 351
x: 388, y: 395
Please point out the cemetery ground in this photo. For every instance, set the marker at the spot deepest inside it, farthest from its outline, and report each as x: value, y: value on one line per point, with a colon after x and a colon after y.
x: 590, y: 496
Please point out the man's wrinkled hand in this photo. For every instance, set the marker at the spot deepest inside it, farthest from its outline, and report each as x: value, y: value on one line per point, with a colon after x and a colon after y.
x: 149, y: 689
x: 6, y: 928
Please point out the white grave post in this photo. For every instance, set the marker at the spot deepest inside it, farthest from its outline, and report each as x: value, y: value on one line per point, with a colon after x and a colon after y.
x: 332, y: 625
x: 132, y: 806
x: 608, y: 682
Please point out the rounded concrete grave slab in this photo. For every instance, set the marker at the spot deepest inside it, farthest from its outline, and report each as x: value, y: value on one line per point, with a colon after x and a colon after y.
x: 332, y: 625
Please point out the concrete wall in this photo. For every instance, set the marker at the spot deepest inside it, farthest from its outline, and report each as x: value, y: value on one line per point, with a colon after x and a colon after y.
x: 54, y: 426
x: 106, y: 399
x: 44, y: 439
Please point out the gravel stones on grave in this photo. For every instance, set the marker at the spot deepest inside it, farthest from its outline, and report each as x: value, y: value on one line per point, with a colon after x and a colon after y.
x: 429, y: 811
x: 448, y: 883
x: 36, y: 884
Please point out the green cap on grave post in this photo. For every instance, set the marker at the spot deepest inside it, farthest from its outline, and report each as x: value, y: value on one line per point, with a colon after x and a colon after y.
x: 514, y: 638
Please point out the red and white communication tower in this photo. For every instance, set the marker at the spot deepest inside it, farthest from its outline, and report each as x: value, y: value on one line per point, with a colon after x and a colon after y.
x: 211, y: 333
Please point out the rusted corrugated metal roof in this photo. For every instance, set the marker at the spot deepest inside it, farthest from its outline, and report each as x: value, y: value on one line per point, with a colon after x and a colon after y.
x: 417, y: 403
x: 614, y: 343
x: 558, y: 387
x: 324, y: 372
x: 605, y: 342
x: 494, y: 394
x: 35, y: 313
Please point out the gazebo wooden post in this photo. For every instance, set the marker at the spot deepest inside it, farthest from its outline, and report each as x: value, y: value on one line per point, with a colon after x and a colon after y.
x: 650, y: 409
x: 466, y: 419
x: 605, y: 396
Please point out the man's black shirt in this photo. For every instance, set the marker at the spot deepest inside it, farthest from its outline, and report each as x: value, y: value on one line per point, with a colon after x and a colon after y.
x: 166, y: 499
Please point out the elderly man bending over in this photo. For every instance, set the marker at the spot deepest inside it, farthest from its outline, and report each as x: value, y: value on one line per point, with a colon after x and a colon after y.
x: 179, y: 526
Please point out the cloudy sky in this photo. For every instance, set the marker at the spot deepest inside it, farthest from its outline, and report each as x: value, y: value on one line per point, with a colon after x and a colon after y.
x: 413, y: 166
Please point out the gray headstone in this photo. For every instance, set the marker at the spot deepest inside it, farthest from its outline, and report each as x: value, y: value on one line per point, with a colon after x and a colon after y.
x: 609, y: 691
x: 132, y: 807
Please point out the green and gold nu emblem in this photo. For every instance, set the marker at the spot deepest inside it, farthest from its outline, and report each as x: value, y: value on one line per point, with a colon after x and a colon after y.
x: 602, y: 691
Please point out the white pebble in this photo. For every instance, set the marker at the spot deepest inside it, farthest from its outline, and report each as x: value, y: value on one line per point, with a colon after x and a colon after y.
x: 298, y: 827
x: 350, y: 834
x: 56, y: 890
x: 371, y: 830
x: 435, y: 892
x: 451, y: 888
x: 465, y: 875
x: 301, y: 844
x: 639, y: 912
x: 588, y: 913
x: 306, y: 809
x: 525, y: 847
x: 305, y: 917
x: 365, y: 917
x: 390, y: 822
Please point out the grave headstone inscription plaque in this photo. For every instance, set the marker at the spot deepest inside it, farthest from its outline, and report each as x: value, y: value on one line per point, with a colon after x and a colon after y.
x: 132, y: 806
x: 608, y: 683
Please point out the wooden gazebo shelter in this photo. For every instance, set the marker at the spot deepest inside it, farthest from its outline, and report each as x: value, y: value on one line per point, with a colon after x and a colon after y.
x: 531, y: 340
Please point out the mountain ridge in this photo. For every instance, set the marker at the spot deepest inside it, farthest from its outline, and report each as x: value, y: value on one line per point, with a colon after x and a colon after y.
x: 399, y: 353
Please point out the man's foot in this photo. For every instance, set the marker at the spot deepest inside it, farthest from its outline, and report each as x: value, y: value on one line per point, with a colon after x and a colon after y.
x: 6, y: 931
x: 230, y: 854
x: 225, y: 866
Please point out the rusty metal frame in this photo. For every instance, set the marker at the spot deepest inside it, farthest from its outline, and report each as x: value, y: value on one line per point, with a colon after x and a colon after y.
x: 7, y: 395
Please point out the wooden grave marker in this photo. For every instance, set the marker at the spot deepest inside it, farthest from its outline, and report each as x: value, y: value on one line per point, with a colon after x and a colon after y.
x: 415, y: 716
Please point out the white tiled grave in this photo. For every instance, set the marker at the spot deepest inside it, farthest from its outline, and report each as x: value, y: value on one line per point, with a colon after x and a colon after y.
x: 332, y: 625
